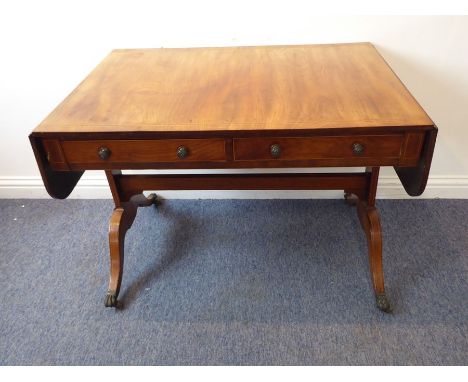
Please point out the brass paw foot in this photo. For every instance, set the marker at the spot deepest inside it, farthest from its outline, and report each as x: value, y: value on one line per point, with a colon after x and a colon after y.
x: 111, y: 300
x: 154, y: 199
x: 382, y: 303
x: 141, y: 200
x: 350, y: 199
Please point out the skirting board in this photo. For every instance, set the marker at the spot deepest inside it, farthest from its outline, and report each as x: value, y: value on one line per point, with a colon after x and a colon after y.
x: 95, y: 187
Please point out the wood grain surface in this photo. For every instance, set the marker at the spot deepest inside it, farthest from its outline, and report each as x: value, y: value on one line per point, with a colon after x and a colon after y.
x: 238, y: 88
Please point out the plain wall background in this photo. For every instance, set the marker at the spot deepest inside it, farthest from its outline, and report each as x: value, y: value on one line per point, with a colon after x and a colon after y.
x: 48, y: 47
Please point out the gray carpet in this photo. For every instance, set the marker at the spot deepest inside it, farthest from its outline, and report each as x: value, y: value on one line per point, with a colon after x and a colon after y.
x: 239, y: 282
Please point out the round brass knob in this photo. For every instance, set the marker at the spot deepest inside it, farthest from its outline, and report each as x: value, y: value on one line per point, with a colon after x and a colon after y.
x: 275, y: 150
x: 104, y: 153
x: 358, y: 148
x: 182, y: 152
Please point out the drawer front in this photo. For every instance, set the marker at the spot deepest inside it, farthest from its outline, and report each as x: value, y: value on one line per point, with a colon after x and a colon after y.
x: 320, y: 147
x: 100, y: 152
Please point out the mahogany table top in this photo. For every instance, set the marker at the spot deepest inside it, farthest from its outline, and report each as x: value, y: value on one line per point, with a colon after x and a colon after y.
x: 238, y: 88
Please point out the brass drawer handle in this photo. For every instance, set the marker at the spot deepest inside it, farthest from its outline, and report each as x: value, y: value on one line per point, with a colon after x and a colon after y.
x: 275, y: 150
x: 358, y: 148
x: 104, y: 153
x: 182, y: 152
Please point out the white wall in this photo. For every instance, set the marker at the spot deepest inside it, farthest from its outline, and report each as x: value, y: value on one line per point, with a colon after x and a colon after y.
x: 48, y: 47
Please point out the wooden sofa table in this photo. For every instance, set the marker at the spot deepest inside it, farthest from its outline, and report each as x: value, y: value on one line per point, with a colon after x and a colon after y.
x: 337, y: 105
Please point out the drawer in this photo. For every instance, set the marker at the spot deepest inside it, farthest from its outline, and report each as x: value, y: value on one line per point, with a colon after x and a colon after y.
x: 319, y: 147
x: 100, y: 152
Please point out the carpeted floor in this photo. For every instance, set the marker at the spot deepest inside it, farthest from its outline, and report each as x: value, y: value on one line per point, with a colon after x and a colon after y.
x: 233, y: 282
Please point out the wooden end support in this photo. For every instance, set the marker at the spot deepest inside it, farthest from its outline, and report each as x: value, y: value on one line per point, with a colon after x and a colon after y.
x: 121, y: 220
x: 364, y: 200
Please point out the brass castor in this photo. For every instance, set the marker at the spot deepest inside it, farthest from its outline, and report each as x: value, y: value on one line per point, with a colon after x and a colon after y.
x: 382, y: 303
x: 154, y: 199
x: 111, y: 300
x: 350, y: 199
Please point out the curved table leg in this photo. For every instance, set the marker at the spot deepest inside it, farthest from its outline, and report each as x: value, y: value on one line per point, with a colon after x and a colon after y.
x: 121, y: 220
x: 364, y: 200
x: 370, y: 221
